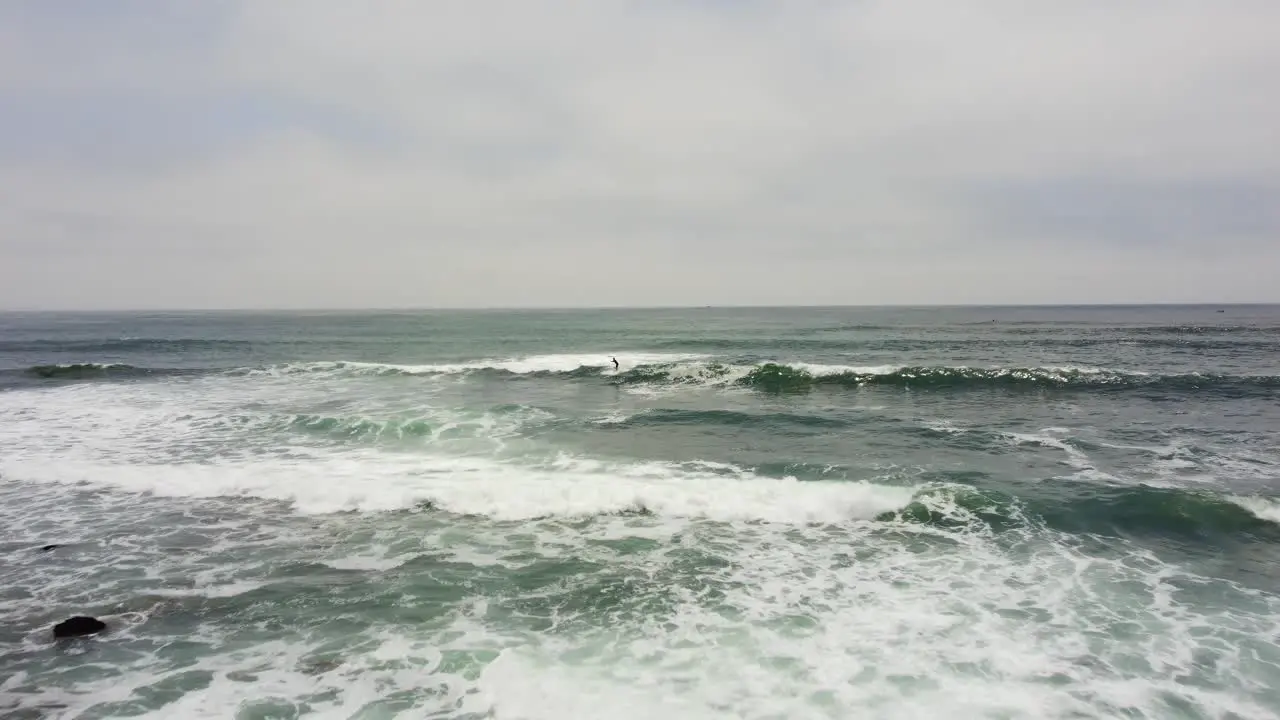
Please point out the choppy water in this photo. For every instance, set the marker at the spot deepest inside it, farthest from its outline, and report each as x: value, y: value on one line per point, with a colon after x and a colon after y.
x: 905, y: 513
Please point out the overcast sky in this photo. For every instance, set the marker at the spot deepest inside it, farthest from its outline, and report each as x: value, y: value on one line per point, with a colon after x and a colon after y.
x: 331, y: 153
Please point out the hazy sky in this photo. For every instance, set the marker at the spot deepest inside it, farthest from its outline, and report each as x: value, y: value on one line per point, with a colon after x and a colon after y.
x: 332, y: 153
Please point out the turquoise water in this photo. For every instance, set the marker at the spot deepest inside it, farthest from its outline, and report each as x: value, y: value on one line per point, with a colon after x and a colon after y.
x: 762, y: 513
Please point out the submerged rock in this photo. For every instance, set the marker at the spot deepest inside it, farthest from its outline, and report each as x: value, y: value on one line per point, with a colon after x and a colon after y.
x: 78, y: 626
x: 319, y: 666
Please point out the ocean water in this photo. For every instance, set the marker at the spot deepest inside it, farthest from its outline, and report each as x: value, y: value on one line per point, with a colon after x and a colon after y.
x: 763, y: 513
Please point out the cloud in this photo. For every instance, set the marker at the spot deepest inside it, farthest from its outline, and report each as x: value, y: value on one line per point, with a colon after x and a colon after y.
x: 324, y: 153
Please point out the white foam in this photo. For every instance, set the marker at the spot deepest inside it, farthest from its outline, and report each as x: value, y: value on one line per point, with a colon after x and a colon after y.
x: 230, y: 589
x: 163, y: 423
x: 1075, y: 457
x: 565, y: 363
x: 372, y: 481
x: 518, y: 365
x: 944, y: 426
x: 1089, y: 370
x: 691, y: 365
x: 803, y: 630
x: 375, y: 558
x: 616, y: 417
x: 176, y: 440
x: 1181, y: 461
x: 821, y: 370
x: 782, y: 619
x: 758, y: 620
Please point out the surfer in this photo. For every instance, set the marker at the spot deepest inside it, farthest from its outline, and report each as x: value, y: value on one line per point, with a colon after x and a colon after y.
x: 615, y: 363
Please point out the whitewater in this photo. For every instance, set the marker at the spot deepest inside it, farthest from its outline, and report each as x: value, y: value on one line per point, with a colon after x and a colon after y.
x: 762, y: 513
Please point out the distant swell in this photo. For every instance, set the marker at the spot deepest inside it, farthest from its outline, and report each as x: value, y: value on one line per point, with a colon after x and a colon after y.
x: 944, y: 343
x: 94, y: 371
x: 123, y: 345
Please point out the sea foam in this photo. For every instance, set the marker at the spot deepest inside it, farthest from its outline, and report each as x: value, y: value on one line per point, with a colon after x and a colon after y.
x: 565, y: 487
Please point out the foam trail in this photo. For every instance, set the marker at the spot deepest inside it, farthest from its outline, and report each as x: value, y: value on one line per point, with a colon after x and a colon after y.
x: 1075, y: 457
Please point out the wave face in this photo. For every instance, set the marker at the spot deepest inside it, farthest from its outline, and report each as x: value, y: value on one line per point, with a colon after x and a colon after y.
x: 989, y: 513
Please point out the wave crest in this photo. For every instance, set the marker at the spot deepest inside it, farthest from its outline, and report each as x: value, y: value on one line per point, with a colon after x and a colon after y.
x: 1127, y: 511
x: 779, y: 377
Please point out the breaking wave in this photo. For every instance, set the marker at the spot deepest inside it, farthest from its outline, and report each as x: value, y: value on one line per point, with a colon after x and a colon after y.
x: 563, y: 487
x: 695, y: 370
x: 773, y: 376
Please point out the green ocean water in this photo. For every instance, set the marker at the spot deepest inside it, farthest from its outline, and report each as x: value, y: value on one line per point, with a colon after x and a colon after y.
x: 1039, y: 512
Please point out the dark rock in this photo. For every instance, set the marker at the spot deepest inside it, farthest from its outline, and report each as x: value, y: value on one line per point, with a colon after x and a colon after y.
x: 78, y: 626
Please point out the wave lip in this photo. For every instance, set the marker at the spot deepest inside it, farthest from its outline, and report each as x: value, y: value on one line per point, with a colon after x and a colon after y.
x: 1267, y: 509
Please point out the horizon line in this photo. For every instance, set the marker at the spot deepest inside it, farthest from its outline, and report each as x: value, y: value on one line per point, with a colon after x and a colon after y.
x: 589, y: 308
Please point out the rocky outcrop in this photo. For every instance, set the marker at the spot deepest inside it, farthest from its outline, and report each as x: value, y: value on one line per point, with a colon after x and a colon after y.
x: 78, y: 626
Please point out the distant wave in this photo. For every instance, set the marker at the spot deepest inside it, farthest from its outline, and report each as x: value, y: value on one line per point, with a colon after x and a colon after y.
x: 95, y: 371
x: 566, y: 364
x: 1198, y: 329
x: 779, y: 377
x: 670, y: 369
x: 772, y: 376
